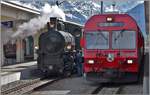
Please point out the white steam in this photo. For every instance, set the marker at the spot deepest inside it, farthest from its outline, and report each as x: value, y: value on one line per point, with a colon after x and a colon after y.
x: 35, y: 24
x: 6, y: 36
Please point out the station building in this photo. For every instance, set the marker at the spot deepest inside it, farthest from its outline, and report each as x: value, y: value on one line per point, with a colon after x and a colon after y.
x: 13, y: 15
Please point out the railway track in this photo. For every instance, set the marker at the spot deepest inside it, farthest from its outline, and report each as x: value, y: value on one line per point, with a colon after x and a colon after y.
x: 107, y: 89
x: 79, y: 86
x: 25, y: 86
x: 110, y: 90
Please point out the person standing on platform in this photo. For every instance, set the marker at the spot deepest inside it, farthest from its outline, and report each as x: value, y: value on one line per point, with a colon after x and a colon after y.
x: 78, y: 61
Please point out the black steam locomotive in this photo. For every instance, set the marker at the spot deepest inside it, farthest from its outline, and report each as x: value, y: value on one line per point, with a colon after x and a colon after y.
x: 55, y: 54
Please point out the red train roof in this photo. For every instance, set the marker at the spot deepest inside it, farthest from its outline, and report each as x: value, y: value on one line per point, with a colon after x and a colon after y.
x: 110, y: 22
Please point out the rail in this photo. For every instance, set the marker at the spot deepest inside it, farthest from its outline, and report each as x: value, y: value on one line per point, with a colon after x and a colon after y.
x: 25, y: 86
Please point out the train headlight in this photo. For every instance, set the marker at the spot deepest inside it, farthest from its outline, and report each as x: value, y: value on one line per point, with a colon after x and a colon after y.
x: 50, y: 67
x: 129, y: 61
x: 69, y: 47
x: 109, y: 19
x: 36, y: 47
x: 91, y: 61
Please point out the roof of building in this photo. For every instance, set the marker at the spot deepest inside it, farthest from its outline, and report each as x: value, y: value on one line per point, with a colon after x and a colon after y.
x: 24, y: 8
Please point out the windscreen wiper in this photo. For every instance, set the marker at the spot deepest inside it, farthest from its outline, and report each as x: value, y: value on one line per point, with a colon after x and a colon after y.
x: 103, y: 36
x: 119, y: 35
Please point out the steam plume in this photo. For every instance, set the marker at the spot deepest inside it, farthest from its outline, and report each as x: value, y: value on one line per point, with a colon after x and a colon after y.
x: 35, y: 24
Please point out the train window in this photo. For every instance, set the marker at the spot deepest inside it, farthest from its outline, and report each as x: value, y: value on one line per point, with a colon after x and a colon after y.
x: 123, y: 39
x: 97, y: 40
x: 115, y: 24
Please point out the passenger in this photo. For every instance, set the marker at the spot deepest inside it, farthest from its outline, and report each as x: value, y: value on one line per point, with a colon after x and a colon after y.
x: 78, y: 61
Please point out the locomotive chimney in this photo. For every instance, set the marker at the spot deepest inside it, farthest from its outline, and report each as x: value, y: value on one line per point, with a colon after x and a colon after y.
x: 53, y: 23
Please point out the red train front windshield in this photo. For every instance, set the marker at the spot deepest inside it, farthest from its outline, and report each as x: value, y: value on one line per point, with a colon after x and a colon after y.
x: 123, y: 39
x: 97, y: 40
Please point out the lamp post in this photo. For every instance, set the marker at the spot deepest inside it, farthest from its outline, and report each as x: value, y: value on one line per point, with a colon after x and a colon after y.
x: 146, y: 63
x: 101, y: 7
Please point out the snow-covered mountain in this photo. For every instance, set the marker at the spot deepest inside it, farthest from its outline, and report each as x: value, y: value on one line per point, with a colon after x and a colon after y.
x: 73, y: 13
x: 138, y: 14
x: 80, y: 10
x: 87, y: 8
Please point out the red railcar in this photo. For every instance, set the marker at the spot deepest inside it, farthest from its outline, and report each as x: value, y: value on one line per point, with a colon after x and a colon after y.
x: 113, y: 48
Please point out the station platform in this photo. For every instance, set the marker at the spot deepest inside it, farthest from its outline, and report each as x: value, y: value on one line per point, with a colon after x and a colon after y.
x: 16, y: 72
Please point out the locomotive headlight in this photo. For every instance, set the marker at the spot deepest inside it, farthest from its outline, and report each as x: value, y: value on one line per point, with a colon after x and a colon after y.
x: 109, y: 19
x: 69, y: 47
x: 50, y: 67
x: 36, y: 47
x: 91, y: 61
x: 129, y: 61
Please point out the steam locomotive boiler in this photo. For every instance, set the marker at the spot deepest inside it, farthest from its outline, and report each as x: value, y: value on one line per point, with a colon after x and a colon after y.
x: 56, y: 50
